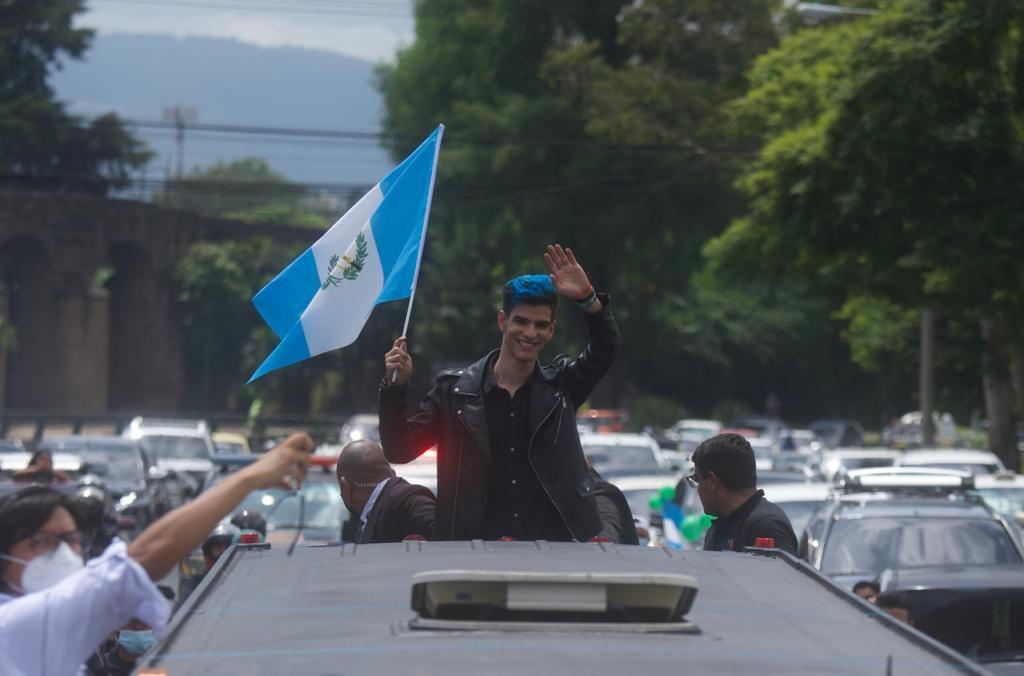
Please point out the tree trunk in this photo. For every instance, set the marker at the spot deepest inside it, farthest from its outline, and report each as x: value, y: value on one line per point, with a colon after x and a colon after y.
x: 998, y: 402
x: 1018, y: 376
x: 926, y: 377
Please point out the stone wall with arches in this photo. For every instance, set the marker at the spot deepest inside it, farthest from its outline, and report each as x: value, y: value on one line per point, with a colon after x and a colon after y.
x: 88, y: 286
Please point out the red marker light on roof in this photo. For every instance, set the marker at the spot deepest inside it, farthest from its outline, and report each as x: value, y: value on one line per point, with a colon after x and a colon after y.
x: 765, y: 543
x: 249, y: 539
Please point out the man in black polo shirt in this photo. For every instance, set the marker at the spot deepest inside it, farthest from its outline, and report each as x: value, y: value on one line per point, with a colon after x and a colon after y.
x: 725, y: 476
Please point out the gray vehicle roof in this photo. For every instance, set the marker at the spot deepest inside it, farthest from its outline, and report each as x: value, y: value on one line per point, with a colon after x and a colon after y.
x: 347, y: 610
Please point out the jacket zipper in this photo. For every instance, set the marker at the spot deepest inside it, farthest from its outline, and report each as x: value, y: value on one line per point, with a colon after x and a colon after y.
x: 529, y: 458
x: 458, y: 478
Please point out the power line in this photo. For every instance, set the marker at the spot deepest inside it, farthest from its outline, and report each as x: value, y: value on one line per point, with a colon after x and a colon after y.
x: 380, y: 9
x: 452, y: 139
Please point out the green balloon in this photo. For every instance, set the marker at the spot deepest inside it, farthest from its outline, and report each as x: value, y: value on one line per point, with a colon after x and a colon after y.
x: 706, y: 520
x: 667, y: 493
x: 692, y: 529
x: 655, y: 502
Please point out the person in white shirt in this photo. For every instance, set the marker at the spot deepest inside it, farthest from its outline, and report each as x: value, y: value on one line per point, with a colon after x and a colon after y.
x: 55, y: 611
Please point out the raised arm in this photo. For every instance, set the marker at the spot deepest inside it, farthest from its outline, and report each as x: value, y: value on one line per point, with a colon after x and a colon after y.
x: 161, y: 546
x: 571, y: 281
x: 404, y: 438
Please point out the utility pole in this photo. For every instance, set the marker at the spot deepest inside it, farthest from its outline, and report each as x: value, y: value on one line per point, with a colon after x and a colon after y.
x: 180, y: 115
x: 926, y: 374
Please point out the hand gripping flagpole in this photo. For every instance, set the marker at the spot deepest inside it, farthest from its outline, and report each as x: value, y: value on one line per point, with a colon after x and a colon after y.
x: 423, y: 244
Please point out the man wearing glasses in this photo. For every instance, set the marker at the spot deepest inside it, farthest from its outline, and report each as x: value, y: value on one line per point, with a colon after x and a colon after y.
x: 725, y: 476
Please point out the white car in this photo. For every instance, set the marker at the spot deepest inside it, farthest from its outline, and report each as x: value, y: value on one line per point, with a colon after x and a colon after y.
x: 764, y: 452
x: 804, y: 442
x: 798, y: 500
x: 1004, y: 492
x: 975, y: 462
x: 620, y: 454
x: 832, y: 462
x: 182, y: 446
x: 361, y: 426
x: 690, y: 432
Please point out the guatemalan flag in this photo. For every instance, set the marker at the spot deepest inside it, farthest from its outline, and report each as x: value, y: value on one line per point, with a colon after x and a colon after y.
x: 321, y: 301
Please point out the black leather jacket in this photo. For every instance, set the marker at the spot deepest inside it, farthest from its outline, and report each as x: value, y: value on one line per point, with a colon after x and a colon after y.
x: 452, y: 416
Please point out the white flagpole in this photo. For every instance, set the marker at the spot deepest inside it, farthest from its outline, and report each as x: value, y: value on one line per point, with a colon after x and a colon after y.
x: 423, y: 242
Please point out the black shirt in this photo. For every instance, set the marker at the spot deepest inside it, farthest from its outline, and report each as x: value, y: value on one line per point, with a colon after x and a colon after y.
x: 755, y: 518
x: 517, y: 505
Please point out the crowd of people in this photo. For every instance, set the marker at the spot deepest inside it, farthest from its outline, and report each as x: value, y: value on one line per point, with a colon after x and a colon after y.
x: 510, y: 467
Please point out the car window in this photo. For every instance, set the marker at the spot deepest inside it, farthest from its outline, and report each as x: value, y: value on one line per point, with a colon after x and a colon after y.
x: 871, y: 545
x: 972, y: 467
x: 1007, y: 501
x: 618, y: 459
x: 160, y: 446
x: 800, y: 512
x: 116, y: 464
x: 324, y: 507
x: 230, y: 447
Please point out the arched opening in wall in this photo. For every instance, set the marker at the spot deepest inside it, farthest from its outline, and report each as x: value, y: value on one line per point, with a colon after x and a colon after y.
x: 33, y: 378
x: 145, y: 337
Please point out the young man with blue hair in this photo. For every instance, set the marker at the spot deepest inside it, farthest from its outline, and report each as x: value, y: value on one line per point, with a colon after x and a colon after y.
x: 509, y: 460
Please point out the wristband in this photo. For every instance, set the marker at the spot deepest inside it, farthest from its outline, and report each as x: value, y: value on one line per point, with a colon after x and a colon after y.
x: 587, y: 293
x: 588, y: 301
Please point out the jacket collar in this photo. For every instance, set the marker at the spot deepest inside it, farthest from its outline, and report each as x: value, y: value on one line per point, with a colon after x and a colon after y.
x: 471, y: 380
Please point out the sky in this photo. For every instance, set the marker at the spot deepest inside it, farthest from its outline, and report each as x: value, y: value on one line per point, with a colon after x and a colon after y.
x: 365, y: 29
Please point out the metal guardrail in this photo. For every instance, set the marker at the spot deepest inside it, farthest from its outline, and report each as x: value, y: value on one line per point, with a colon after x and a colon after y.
x: 322, y: 428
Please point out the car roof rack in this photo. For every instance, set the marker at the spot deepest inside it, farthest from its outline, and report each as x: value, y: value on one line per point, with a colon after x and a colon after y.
x: 467, y: 600
x: 914, y: 480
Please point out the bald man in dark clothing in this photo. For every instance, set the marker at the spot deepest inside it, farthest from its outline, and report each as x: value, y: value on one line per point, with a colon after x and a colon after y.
x: 386, y: 507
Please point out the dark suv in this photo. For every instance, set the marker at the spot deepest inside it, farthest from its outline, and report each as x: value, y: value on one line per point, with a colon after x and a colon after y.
x: 859, y: 536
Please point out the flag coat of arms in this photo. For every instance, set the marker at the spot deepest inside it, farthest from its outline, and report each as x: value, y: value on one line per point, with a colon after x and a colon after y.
x: 371, y: 255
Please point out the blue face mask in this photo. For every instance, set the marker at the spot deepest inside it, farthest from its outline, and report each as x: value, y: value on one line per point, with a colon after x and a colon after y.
x: 135, y: 642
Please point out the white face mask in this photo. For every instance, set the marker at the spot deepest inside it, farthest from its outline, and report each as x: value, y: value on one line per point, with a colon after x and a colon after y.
x: 47, y: 570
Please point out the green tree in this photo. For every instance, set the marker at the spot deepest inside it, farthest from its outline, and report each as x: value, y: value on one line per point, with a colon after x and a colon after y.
x: 41, y: 145
x: 891, y: 148
x: 246, y: 189
x: 601, y: 126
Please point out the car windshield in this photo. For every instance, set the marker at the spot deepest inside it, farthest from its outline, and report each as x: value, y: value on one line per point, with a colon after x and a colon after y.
x: 972, y: 467
x: 640, y: 500
x: 117, y: 463
x: 800, y: 512
x: 609, y: 460
x: 869, y: 545
x: 230, y: 447
x: 324, y: 508
x: 866, y: 463
x: 1007, y: 501
x: 172, y: 447
x: 356, y: 431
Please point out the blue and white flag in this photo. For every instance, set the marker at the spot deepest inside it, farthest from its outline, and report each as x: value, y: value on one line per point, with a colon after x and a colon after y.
x: 321, y: 301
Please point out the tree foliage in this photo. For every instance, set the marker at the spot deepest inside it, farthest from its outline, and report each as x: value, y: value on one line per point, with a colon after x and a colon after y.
x: 41, y: 144
x: 245, y: 189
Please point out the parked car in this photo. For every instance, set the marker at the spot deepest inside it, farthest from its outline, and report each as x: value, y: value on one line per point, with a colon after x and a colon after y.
x: 615, y: 455
x: 509, y: 608
x: 766, y: 426
x: 1003, y: 491
x: 836, y: 433
x: 689, y: 432
x: 183, y: 447
x: 136, y: 485
x: 832, y: 462
x: 764, y: 452
x: 231, y: 443
x: 905, y: 519
x: 603, y: 420
x: 975, y: 462
x: 798, y: 500
x: 360, y: 426
x: 804, y: 442
x: 906, y: 433
x: 976, y: 610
